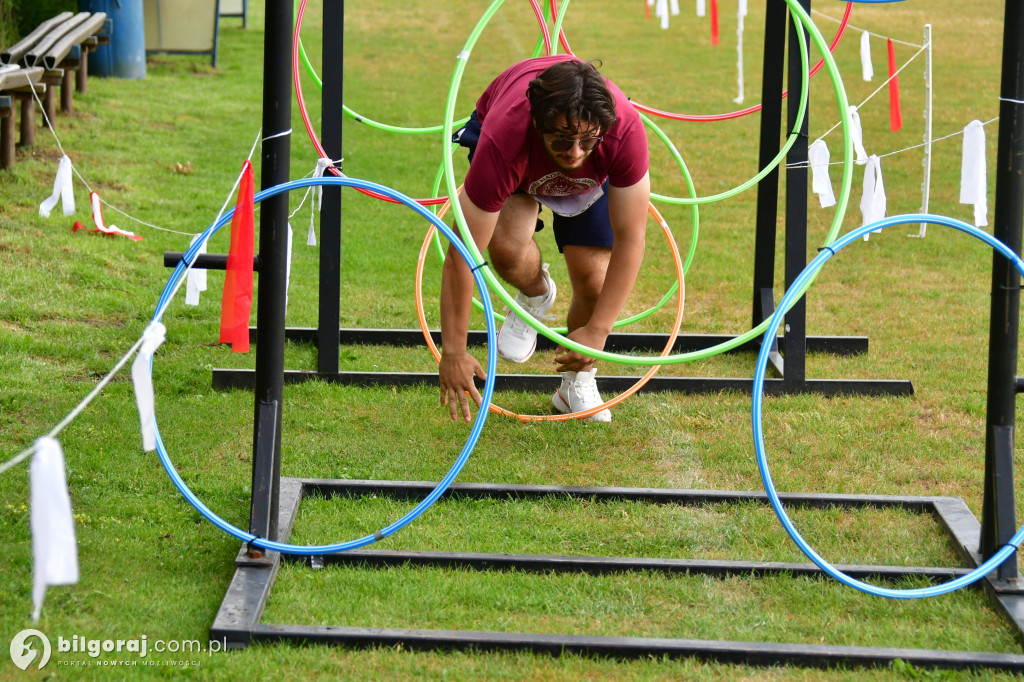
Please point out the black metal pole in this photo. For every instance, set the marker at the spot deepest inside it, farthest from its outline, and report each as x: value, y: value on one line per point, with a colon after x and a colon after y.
x: 768, y: 188
x: 998, y: 520
x: 274, y: 170
x: 796, y: 210
x: 329, y: 321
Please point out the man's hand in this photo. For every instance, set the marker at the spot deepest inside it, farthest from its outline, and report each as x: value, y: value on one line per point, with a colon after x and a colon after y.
x: 570, y: 360
x: 456, y: 373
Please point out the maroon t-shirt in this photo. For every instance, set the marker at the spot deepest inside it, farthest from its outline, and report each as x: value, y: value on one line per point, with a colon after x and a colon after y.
x: 510, y: 154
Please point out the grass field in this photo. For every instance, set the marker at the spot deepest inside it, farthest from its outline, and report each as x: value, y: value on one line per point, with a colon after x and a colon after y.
x: 166, y: 151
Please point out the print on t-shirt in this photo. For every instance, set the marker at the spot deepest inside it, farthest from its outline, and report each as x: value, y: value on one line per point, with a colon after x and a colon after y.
x: 564, y: 195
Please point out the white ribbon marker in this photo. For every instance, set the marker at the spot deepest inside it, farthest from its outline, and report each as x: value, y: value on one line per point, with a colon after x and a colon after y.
x: 321, y: 165
x: 741, y: 11
x: 62, y: 190
x: 661, y: 10
x: 288, y: 267
x: 858, y: 136
x: 973, y: 175
x: 867, y: 70
x: 54, y: 548
x: 142, y: 377
x: 701, y: 9
x: 196, y: 279
x: 872, y: 203
x: 821, y: 185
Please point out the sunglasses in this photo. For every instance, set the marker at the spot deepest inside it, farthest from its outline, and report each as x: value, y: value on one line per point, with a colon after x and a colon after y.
x: 564, y: 144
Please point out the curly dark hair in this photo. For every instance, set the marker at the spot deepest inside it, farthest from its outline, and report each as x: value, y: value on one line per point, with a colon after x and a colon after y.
x: 574, y: 89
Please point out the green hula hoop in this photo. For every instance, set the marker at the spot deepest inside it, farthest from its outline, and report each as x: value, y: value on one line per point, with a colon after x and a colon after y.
x: 805, y: 20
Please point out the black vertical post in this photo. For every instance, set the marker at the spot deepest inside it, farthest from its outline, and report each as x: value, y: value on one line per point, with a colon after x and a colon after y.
x: 274, y: 170
x: 328, y: 336
x: 796, y: 209
x: 768, y: 188
x: 998, y: 522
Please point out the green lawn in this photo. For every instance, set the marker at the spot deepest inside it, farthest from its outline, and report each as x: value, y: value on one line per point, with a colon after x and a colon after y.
x: 166, y: 151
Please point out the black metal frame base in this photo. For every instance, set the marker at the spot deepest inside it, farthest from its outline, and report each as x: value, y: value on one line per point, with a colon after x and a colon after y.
x: 224, y: 379
x: 238, y: 620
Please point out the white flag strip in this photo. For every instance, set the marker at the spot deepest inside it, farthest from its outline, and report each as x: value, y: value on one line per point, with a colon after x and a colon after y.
x: 818, y: 156
x: 973, y: 172
x: 674, y: 7
x: 661, y: 10
x: 54, y: 547
x: 62, y: 191
x: 867, y: 70
x: 872, y: 203
x: 288, y: 267
x: 196, y: 278
x: 701, y: 8
x: 858, y: 136
x: 142, y: 378
x: 741, y: 11
x: 321, y: 165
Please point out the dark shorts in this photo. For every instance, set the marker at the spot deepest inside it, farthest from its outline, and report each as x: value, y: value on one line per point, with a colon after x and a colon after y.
x: 593, y: 227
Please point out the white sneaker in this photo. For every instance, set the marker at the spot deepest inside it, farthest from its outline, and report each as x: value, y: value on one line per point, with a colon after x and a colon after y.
x: 516, y: 339
x: 578, y: 392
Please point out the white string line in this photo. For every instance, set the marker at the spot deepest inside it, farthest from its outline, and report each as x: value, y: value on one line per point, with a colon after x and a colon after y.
x: 71, y: 416
x: 74, y: 167
x: 304, y: 196
x: 280, y: 134
x: 23, y: 455
x: 898, y: 151
x: 877, y: 90
x: 849, y: 26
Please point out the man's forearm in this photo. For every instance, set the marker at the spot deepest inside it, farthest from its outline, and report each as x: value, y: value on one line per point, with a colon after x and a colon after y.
x: 456, y: 302
x: 627, y: 255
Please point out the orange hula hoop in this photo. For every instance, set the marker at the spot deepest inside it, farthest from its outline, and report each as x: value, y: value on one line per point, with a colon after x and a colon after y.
x: 582, y: 414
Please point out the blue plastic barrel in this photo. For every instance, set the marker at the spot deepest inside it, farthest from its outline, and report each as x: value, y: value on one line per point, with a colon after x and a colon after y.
x: 125, y: 56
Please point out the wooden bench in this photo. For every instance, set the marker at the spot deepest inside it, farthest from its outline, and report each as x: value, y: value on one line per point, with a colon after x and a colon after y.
x: 37, y: 65
x: 18, y: 84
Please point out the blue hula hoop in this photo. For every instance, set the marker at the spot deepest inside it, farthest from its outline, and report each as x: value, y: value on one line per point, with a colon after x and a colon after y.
x: 787, y: 302
x: 478, y: 424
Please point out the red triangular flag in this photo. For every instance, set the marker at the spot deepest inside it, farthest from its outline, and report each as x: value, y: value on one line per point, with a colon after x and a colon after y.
x: 236, y: 303
x: 714, y: 22
x: 895, y: 116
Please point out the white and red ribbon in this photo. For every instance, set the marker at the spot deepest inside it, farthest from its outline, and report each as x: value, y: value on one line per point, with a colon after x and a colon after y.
x: 101, y: 227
